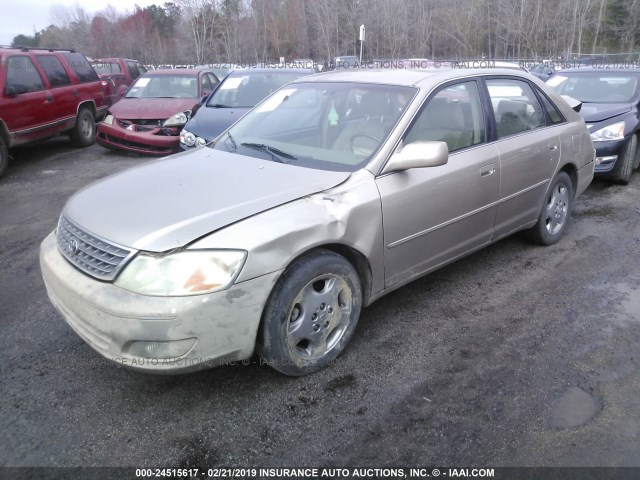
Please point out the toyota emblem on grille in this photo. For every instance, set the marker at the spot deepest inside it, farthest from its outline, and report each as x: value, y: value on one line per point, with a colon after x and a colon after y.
x: 72, y: 246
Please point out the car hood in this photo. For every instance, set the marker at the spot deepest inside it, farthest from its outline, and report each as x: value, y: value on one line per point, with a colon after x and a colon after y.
x: 151, y: 108
x: 597, y: 112
x: 171, y: 202
x: 209, y: 122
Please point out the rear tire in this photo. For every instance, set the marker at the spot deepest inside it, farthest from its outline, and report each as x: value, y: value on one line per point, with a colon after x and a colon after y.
x: 621, y: 173
x: 84, y: 132
x: 4, y: 157
x: 555, y: 212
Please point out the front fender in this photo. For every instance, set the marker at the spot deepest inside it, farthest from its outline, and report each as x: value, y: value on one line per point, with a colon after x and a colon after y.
x: 349, y: 214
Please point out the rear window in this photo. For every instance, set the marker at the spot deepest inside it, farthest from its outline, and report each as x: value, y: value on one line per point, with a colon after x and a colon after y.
x: 106, y: 68
x: 81, y: 67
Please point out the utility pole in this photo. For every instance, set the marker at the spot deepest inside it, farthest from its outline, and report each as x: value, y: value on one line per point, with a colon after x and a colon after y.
x: 361, y: 41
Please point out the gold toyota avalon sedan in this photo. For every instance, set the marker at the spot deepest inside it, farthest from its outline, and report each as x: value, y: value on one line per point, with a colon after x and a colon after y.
x: 335, y: 190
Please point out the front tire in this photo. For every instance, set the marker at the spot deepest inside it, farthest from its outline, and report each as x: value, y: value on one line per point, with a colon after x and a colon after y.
x: 84, y: 132
x: 4, y: 157
x: 555, y: 212
x: 621, y: 173
x: 311, y: 315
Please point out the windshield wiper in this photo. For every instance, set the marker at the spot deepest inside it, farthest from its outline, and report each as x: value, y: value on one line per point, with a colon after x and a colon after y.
x: 233, y: 142
x: 275, y: 153
x: 219, y: 105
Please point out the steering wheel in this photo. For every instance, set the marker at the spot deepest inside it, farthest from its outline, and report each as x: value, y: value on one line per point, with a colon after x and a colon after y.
x: 364, y: 135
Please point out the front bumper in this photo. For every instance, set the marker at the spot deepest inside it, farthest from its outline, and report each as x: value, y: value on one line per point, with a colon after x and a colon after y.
x: 144, y: 142
x: 607, y: 154
x: 224, y: 324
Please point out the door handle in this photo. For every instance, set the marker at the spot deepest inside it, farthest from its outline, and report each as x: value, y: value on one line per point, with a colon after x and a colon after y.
x: 48, y: 99
x: 487, y: 170
x: 553, y: 147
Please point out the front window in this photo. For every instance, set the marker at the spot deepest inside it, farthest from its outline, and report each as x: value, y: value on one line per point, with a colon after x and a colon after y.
x: 164, y: 86
x: 22, y: 75
x: 329, y: 126
x: 453, y: 115
x: 596, y: 87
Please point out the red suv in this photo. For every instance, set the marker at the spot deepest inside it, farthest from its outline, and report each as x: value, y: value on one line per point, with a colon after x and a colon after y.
x: 117, y: 74
x: 44, y: 93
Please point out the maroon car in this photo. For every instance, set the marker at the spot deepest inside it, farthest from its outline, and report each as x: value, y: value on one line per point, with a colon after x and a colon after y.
x: 154, y: 110
x: 116, y: 75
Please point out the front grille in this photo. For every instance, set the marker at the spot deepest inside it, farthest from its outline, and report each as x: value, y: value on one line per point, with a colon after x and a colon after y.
x: 141, y: 125
x: 90, y: 254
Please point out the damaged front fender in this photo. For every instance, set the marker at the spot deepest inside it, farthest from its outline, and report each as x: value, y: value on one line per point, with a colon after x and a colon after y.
x: 348, y: 215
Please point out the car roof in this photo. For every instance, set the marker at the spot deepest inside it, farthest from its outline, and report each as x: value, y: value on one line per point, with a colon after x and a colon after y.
x: 186, y: 72
x: 407, y: 77
x: 594, y: 69
x: 245, y: 71
x: 112, y: 59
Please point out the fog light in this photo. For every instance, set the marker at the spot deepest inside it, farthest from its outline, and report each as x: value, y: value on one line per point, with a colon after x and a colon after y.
x: 170, y: 349
x: 609, y: 159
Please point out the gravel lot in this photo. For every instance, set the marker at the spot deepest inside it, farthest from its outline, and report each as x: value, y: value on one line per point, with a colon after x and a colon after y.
x: 514, y: 356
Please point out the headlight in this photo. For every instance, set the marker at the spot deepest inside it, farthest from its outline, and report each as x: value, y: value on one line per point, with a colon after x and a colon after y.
x: 183, y: 273
x: 188, y: 138
x: 200, y: 142
x: 177, y: 119
x: 108, y: 119
x: 606, y: 134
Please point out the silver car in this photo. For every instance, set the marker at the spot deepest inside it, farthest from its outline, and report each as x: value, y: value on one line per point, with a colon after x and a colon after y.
x: 332, y: 192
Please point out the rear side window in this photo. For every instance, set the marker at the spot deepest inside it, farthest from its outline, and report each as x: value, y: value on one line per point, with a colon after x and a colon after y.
x: 208, y: 83
x: 54, y: 70
x: 555, y: 116
x: 81, y: 67
x: 22, y: 75
x: 133, y: 70
x: 515, y: 106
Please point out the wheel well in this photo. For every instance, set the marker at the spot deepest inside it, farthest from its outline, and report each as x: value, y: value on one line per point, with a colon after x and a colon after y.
x: 357, y: 259
x: 4, y: 133
x: 570, y: 170
x: 361, y: 264
x: 88, y: 104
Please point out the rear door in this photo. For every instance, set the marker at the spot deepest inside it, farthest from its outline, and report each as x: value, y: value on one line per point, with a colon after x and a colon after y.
x: 61, y: 108
x: 434, y: 215
x: 529, y: 151
x: 88, y: 86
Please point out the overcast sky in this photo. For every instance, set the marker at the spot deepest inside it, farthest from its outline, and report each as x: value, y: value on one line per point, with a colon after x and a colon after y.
x: 21, y: 16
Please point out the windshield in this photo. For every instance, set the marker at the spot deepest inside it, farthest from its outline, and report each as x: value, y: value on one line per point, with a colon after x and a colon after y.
x: 164, y: 86
x: 328, y: 126
x: 246, y: 90
x: 596, y: 87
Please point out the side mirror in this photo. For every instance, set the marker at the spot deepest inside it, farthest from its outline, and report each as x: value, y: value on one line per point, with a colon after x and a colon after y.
x: 418, y: 155
x: 204, y: 99
x: 576, y: 105
x: 10, y: 92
